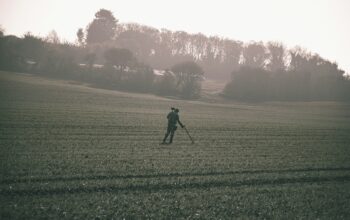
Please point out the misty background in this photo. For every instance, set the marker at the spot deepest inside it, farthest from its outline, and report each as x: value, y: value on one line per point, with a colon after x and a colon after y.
x: 135, y: 57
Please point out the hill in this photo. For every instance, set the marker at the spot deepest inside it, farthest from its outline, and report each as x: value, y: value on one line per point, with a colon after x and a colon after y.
x: 71, y: 151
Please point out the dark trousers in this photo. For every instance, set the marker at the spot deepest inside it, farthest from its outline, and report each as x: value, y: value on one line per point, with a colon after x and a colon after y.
x: 170, y: 130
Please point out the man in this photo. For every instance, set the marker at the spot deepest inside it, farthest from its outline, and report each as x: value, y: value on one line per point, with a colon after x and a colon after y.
x: 173, y: 118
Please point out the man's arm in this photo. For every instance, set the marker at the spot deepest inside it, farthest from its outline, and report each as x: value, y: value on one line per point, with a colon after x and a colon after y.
x: 178, y: 120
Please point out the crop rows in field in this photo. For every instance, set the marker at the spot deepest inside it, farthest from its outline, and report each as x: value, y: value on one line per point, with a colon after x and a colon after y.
x: 60, y: 143
x: 170, y: 181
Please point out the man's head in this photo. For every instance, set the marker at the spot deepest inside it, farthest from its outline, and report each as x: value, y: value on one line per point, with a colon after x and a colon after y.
x: 172, y: 109
x: 177, y: 110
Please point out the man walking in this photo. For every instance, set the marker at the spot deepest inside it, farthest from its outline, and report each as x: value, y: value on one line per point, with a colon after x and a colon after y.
x: 173, y: 118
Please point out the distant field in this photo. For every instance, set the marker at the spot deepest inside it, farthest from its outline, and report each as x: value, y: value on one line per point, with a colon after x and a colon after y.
x: 71, y: 151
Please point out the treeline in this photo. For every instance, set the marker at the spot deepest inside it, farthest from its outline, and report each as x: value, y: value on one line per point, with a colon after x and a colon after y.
x: 308, y: 77
x: 257, y: 71
x: 119, y: 69
x: 126, y: 56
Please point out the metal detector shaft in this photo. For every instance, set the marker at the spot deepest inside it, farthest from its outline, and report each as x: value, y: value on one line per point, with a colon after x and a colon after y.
x: 189, y: 135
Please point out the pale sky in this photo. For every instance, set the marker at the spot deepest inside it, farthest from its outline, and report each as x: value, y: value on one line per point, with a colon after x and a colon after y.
x: 321, y: 26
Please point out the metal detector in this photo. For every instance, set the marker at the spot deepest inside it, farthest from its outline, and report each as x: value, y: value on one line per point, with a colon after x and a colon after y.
x: 189, y: 134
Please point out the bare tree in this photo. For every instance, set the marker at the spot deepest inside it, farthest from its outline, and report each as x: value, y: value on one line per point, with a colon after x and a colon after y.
x: 277, y: 54
x: 255, y: 55
x: 80, y: 36
x: 53, y: 37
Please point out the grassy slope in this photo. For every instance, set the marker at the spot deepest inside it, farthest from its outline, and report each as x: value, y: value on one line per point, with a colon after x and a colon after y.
x: 72, y: 151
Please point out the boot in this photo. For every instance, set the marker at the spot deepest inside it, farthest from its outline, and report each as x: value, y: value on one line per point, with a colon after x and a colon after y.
x: 164, y: 139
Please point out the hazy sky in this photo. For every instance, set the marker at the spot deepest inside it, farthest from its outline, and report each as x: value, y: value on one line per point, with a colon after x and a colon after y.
x: 321, y: 26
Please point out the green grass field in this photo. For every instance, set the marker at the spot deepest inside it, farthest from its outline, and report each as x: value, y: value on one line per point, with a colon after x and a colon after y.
x: 71, y: 151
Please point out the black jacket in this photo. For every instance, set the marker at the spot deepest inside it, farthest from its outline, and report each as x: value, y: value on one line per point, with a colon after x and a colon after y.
x: 173, y: 118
